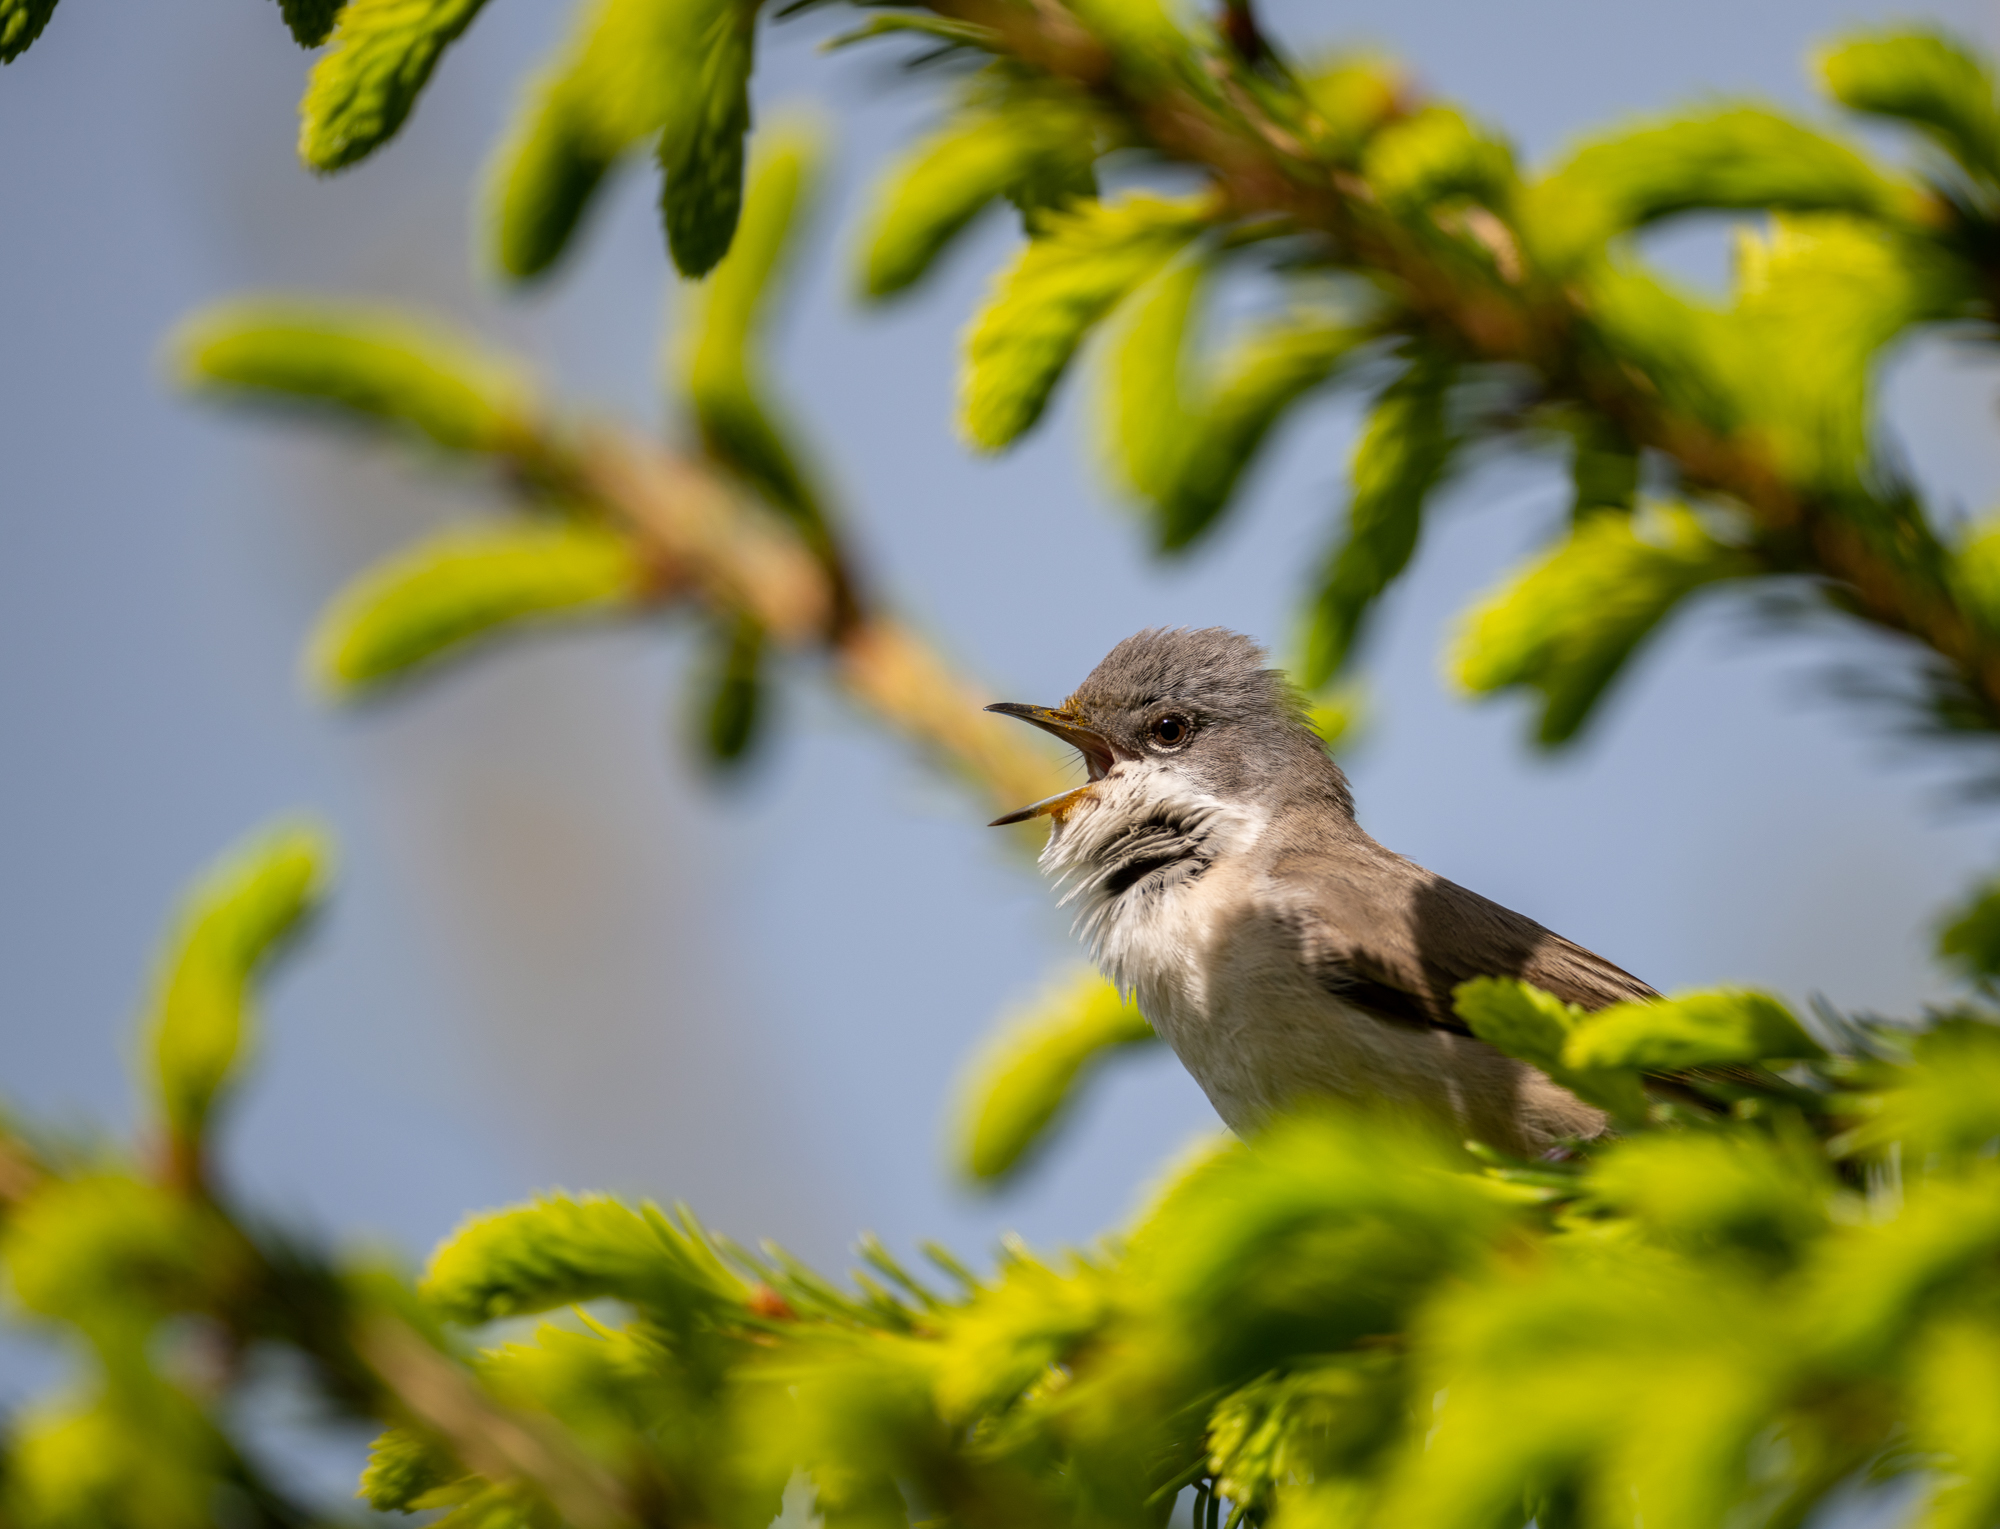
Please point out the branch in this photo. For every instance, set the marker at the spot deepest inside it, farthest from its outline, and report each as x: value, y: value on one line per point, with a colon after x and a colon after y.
x: 709, y: 541
x: 1885, y: 559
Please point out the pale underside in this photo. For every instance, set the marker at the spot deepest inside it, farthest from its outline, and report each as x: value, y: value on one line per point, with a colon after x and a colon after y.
x: 1226, y: 937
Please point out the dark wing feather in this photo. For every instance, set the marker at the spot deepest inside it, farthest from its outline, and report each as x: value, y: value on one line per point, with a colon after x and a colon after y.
x: 1393, y: 938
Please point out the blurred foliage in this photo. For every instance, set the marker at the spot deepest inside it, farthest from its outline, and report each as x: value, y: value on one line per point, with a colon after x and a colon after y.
x: 1347, y: 1319
x: 1772, y: 1285
x: 1018, y: 1088
x: 21, y: 22
x: 458, y: 586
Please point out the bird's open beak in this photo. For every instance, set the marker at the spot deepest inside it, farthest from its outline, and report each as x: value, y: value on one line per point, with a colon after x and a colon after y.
x: 1067, y: 726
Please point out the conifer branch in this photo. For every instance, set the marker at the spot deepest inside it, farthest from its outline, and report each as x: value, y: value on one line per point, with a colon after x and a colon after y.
x: 1880, y: 556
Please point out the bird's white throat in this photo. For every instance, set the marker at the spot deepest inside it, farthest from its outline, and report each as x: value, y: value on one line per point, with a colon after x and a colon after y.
x: 1130, y: 854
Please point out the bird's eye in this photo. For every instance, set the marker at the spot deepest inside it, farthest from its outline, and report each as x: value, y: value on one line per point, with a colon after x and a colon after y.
x: 1171, y: 731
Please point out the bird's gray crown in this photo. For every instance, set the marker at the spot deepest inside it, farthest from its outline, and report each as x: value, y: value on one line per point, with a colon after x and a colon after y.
x: 1222, y: 672
x: 1250, y: 733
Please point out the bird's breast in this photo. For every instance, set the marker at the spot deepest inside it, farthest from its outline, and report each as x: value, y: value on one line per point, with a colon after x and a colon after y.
x: 1218, y: 968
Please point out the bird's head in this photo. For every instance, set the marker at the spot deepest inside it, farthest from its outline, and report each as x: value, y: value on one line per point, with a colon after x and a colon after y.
x: 1202, y: 707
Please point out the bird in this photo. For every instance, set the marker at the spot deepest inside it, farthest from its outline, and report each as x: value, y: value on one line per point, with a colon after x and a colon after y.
x: 1219, y: 876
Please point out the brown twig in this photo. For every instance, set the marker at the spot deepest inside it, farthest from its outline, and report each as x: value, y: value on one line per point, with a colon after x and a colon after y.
x: 708, y: 541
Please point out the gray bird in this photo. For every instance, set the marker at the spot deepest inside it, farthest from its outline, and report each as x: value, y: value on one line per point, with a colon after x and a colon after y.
x: 1219, y: 876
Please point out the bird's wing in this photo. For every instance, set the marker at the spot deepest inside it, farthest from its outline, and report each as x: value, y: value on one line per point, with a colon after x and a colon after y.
x: 1394, y: 939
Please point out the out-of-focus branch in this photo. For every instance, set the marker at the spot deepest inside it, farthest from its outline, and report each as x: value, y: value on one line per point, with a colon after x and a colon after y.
x: 706, y: 539
x: 1504, y: 311
x: 498, y: 1443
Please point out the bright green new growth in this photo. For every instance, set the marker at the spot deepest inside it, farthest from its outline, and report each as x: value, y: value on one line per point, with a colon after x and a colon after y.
x: 716, y: 347
x: 675, y: 71
x: 702, y: 154
x: 1180, y: 431
x: 561, y: 1251
x: 1739, y: 157
x: 983, y: 153
x: 310, y: 20
x: 1149, y: 391
x: 381, y: 58
x: 403, y: 1468
x: 200, y: 1021
x: 1566, y: 624
x: 1708, y: 1029
x: 1343, y: 1319
x: 1015, y: 1092
x: 1538, y: 1027
x: 1976, y: 571
x: 1927, y: 80
x: 542, y: 178
x: 1404, y: 451
x: 1436, y: 155
x: 1061, y: 284
x: 732, y: 701
x: 1348, y: 97
x: 432, y: 600
x: 1970, y: 938
x: 356, y: 359
x: 21, y: 22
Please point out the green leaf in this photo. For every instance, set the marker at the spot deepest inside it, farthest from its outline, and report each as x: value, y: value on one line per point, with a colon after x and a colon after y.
x: 988, y: 150
x: 1702, y: 1192
x: 701, y: 149
x: 732, y: 690
x: 1326, y: 1418
x: 1955, y: 1421
x: 718, y: 352
x: 382, y: 56
x: 149, y: 1456
x: 310, y: 20
x: 355, y: 359
x: 21, y: 22
x: 541, y: 179
x: 1145, y: 37
x: 1255, y: 383
x: 1970, y: 937
x: 1404, y: 452
x: 1975, y: 572
x: 1604, y: 467
x: 561, y: 1251
x: 1733, y: 157
x: 200, y: 1019
x: 436, y: 597
x: 1536, y: 1027
x: 107, y: 1252
x: 1347, y: 100
x: 1568, y: 622
x: 1061, y: 284
x: 1026, y: 1079
x: 1713, y: 1028
x: 670, y: 71
x: 1818, y: 300
x: 1935, y: 1256
x: 1945, y: 1104
x: 1926, y: 79
x: 1329, y: 1226
x: 402, y: 1467
x: 1339, y: 715
x: 1180, y: 432
x: 1150, y: 387
x: 962, y: 34
x: 1435, y: 154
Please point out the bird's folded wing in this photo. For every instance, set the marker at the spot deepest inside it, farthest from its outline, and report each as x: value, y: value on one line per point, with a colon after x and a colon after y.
x: 1394, y: 939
